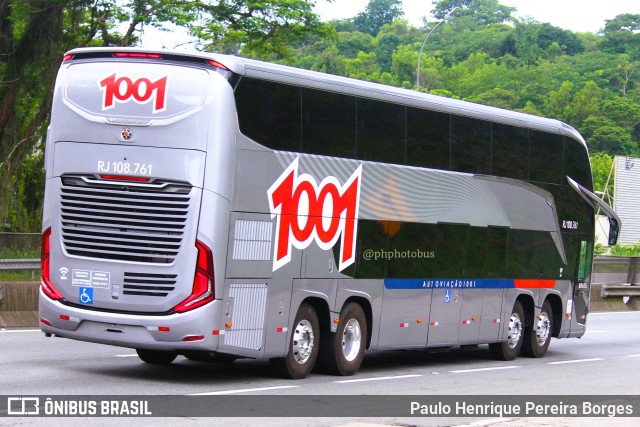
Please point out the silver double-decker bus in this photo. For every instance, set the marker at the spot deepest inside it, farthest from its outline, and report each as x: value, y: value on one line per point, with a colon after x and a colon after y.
x: 217, y: 208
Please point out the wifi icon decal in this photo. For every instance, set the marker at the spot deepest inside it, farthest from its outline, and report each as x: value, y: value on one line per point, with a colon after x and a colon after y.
x: 63, y: 273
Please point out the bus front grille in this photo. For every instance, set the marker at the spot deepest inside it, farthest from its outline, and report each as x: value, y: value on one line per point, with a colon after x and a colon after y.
x: 115, y: 220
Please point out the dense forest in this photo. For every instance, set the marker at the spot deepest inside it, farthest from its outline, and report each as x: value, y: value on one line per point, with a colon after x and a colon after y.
x: 480, y: 53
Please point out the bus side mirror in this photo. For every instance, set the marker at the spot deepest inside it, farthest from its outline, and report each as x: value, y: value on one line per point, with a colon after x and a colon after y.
x: 614, y: 230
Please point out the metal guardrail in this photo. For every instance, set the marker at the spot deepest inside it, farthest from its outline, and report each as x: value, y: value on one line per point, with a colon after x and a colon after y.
x: 20, y: 264
x: 613, y: 291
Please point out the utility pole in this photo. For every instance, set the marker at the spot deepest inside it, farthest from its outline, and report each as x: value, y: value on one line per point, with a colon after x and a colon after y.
x: 425, y: 42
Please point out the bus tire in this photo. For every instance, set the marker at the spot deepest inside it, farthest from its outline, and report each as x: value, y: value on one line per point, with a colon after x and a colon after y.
x: 304, y: 345
x: 537, y: 342
x: 342, y: 353
x: 156, y: 357
x: 509, y: 349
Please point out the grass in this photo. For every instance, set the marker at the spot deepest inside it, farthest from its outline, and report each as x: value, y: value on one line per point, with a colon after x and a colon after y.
x: 13, y: 253
x: 19, y: 276
x: 22, y: 275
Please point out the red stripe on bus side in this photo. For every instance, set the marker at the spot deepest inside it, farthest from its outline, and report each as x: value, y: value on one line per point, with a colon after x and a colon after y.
x: 535, y: 283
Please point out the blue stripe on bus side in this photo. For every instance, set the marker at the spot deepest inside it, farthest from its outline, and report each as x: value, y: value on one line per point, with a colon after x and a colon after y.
x: 449, y: 283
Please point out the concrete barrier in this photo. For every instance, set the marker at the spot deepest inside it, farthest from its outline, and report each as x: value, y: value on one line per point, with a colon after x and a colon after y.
x: 612, y: 303
x: 19, y: 304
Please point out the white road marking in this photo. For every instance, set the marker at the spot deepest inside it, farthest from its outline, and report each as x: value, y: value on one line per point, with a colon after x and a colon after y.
x: 462, y: 371
x: 563, y: 362
x: 10, y: 331
x: 246, y: 390
x: 634, y: 355
x: 377, y: 379
x: 591, y: 313
x: 126, y: 355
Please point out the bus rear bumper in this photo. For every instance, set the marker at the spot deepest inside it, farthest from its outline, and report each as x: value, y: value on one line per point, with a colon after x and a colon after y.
x: 194, y: 330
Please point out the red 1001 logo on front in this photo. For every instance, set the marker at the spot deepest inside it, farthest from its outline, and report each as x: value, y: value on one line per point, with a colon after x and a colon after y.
x: 310, y: 212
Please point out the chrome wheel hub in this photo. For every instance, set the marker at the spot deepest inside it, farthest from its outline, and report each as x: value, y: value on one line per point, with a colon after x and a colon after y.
x: 515, y: 330
x: 544, y: 328
x: 351, y: 340
x: 302, y: 341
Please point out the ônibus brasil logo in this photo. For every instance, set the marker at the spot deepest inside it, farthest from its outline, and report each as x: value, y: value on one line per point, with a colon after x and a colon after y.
x: 142, y: 90
x: 307, y: 212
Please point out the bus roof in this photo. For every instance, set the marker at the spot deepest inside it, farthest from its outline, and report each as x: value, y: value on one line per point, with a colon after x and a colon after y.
x: 323, y: 81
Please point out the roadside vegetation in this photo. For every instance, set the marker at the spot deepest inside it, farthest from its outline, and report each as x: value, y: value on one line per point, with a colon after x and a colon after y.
x: 482, y: 53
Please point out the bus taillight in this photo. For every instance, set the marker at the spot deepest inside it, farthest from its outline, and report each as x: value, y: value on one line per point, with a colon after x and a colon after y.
x: 202, y: 292
x: 217, y: 64
x: 45, y: 282
x: 137, y: 55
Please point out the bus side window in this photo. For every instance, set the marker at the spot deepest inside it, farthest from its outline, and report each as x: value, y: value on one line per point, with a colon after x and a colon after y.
x: 452, y: 249
x: 470, y: 145
x: 428, y: 139
x: 510, y: 151
x: 475, y: 265
x: 496, y: 261
x: 547, y: 157
x: 411, y: 248
x: 328, y: 123
x: 380, y: 131
x: 269, y: 113
x: 576, y: 163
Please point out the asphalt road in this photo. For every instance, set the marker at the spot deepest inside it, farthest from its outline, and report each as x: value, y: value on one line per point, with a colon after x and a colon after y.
x: 604, y: 362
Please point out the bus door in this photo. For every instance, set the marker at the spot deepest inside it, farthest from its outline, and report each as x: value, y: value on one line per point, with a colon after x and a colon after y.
x: 446, y: 299
x: 581, y: 280
x: 444, y: 321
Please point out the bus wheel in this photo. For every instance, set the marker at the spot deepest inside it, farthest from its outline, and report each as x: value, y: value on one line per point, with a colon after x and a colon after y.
x: 537, y: 342
x: 343, y: 352
x: 509, y: 349
x: 156, y: 357
x: 303, y: 349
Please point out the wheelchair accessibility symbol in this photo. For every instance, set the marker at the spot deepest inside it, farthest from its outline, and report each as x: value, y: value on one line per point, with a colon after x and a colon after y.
x: 86, y: 296
x: 447, y: 297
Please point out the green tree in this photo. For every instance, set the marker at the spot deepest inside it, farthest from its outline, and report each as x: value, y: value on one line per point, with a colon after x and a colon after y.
x: 384, y: 48
x: 622, y: 35
x: 34, y: 34
x: 456, y: 45
x: 376, y: 14
x: 623, y: 111
x: 526, y: 41
x: 601, y: 170
x: 558, y: 104
x: 330, y: 61
x: 349, y: 44
x: 30, y: 37
x: 264, y: 29
x: 625, y: 73
x: 497, y: 97
x: 480, y: 12
x: 585, y: 103
x: 364, y: 67
x: 603, y: 134
x: 569, y: 42
x: 403, y: 66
